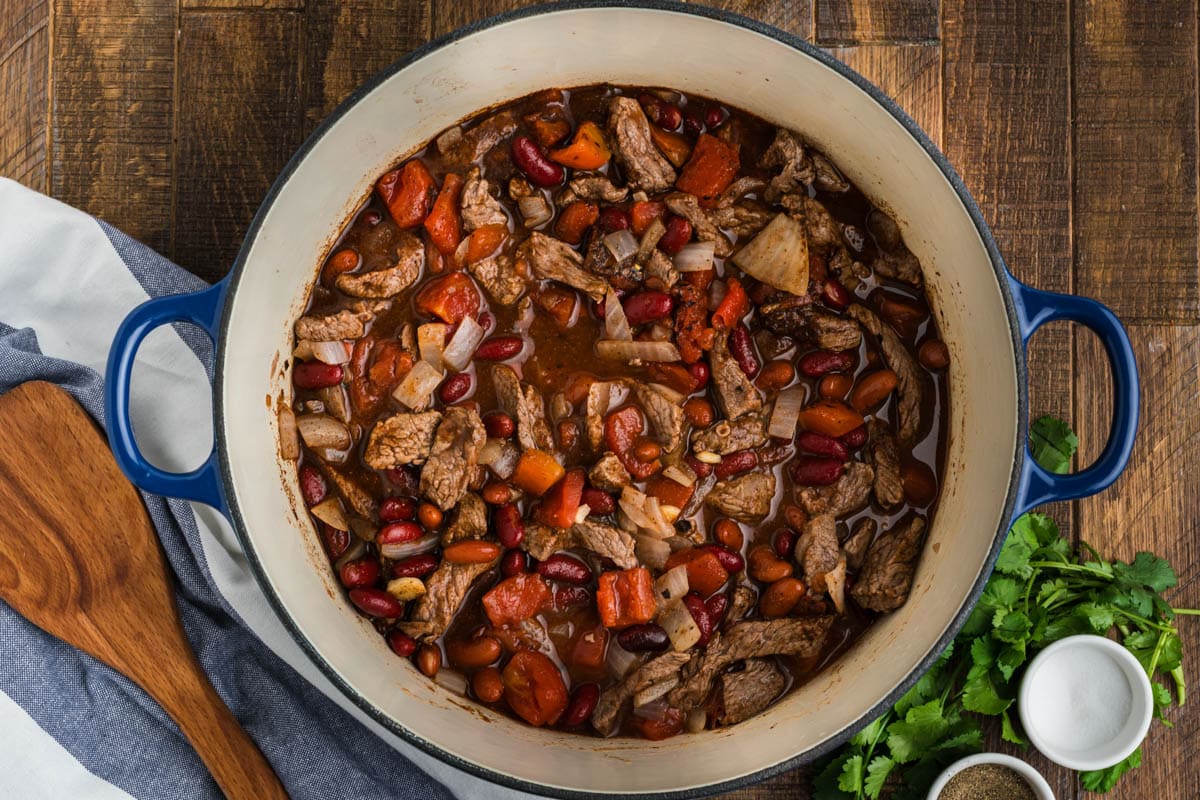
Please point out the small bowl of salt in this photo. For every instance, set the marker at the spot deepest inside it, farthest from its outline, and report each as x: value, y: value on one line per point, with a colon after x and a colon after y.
x: 1085, y: 702
x: 990, y: 776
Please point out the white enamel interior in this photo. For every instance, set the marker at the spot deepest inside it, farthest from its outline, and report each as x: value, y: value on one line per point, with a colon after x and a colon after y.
x: 695, y: 54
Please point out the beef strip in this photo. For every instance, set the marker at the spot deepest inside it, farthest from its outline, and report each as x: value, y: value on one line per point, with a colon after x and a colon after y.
x: 605, y: 541
x: 470, y: 520
x: 742, y: 601
x: 665, y: 415
x: 390, y: 281
x: 660, y: 271
x: 525, y: 405
x: 598, y: 259
x: 831, y: 332
x: 743, y: 219
x: 349, y: 323
x: 445, y: 590
x: 598, y: 187
x: 827, y: 175
x: 886, y: 578
x: 609, y: 474
x: 361, y: 501
x: 401, y: 439
x: 608, y: 708
x: 747, y: 184
x: 727, y: 437
x: 645, y: 168
x: 821, y: 552
x: 795, y: 169
x: 902, y: 266
x: 885, y: 455
x: 795, y: 317
x: 707, y: 230
x: 542, y: 541
x: 746, y: 498
x: 556, y: 260
x: 909, y: 383
x: 823, y: 231
x: 477, y: 204
x: 746, y: 693
x: 849, y: 493
x: 455, y: 454
x: 736, y: 395
x: 481, y: 138
x: 859, y: 540
x: 501, y: 276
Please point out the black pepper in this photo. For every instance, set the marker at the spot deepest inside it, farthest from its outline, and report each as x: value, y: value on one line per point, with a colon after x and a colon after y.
x: 987, y: 782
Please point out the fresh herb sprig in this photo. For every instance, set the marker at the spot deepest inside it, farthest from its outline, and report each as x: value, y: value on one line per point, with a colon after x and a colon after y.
x: 1041, y: 591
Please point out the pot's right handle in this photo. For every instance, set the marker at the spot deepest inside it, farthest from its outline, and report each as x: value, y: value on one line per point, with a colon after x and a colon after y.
x: 1034, y: 309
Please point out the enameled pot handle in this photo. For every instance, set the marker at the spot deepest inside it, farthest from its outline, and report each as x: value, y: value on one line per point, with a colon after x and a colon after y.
x: 202, y: 308
x: 1034, y: 309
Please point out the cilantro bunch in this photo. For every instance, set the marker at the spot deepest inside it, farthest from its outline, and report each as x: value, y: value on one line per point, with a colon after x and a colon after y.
x: 1041, y: 591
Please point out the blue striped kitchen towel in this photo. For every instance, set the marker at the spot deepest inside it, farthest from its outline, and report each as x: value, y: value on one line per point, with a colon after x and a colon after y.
x: 70, y: 727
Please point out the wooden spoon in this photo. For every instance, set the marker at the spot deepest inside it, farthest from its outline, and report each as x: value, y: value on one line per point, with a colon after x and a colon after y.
x: 80, y: 559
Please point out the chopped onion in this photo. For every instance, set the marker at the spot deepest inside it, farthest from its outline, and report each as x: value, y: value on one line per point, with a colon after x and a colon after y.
x: 618, y: 660
x: 786, y: 413
x: 677, y: 621
x: 697, y: 720
x: 657, y: 710
x: 625, y: 523
x: 651, y: 552
x: 639, y: 196
x: 695, y: 257
x: 330, y: 512
x: 416, y: 547
x: 669, y: 393
x: 672, y: 584
x: 778, y: 255
x: 535, y: 209
x: 621, y: 244
x: 418, y: 385
x: 617, y: 350
x: 431, y: 341
x: 644, y: 512
x: 650, y: 239
x: 716, y: 293
x: 336, y: 403
x: 451, y: 681
x: 356, y: 550
x: 654, y: 691
x: 582, y: 512
x: 804, y: 541
x: 660, y: 332
x: 289, y: 434
x: 835, y: 584
x: 500, y: 455
x: 332, y: 455
x: 363, y: 529
x: 322, y: 430
x: 462, y: 344
x: 331, y: 352
x: 681, y: 474
x: 616, y: 324
x: 449, y: 139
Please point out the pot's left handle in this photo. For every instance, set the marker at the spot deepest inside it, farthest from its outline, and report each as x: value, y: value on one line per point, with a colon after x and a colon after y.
x: 202, y: 308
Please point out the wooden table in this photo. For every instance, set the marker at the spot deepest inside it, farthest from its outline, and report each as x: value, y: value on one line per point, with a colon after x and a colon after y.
x: 1074, y: 125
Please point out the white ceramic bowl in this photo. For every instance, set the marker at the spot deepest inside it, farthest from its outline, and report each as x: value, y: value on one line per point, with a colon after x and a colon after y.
x: 1036, y: 782
x: 984, y: 315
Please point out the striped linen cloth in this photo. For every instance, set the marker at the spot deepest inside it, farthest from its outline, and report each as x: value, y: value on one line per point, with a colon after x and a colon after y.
x: 70, y: 727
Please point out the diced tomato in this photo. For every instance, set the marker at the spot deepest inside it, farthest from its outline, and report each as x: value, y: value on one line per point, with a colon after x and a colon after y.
x: 625, y: 597
x: 589, y: 649
x: 733, y: 306
x: 676, y: 376
x: 408, y: 193
x: 534, y: 688
x: 701, y: 279
x: 658, y: 729
x: 537, y: 471
x: 713, y: 166
x: 443, y: 223
x: 830, y: 418
x: 675, y: 147
x: 668, y: 491
x: 485, y: 241
x: 548, y: 126
x: 692, y: 334
x: 575, y: 219
x: 450, y: 298
x: 621, y: 431
x: 561, y: 503
x: 587, y: 150
x: 644, y: 212
x: 559, y: 303
x: 578, y: 385
x: 377, y: 366
x: 516, y: 599
x: 705, y: 573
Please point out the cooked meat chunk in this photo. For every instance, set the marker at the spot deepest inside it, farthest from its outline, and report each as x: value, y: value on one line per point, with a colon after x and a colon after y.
x: 605, y: 541
x: 608, y: 474
x: 598, y: 259
x: 542, y: 541
x: 481, y: 138
x: 445, y: 590
x: 859, y: 540
x: 827, y: 175
x: 885, y: 455
x: 470, y: 521
x: 743, y: 600
x: 744, y: 694
x: 349, y: 323
x: 831, y: 332
x: 645, y: 168
x: 788, y: 315
x: 598, y: 187
x: 525, y: 405
x: 401, y: 439
x: 657, y: 670
x: 736, y: 395
x: 478, y: 206
x: 886, y: 578
x: 803, y: 637
x: 557, y: 261
x: 901, y: 266
x: 707, y: 230
x: 455, y: 454
x: 727, y: 437
x: 747, y: 184
x: 909, y: 384
x: 849, y: 493
x: 795, y: 169
x: 884, y: 230
x: 518, y: 187
x: 665, y: 415
x: 660, y: 272
x: 501, y: 276
x: 390, y: 281
x: 823, y: 231
x: 742, y: 219
x: 821, y: 551
x: 361, y: 501
x: 746, y: 498
x: 599, y: 400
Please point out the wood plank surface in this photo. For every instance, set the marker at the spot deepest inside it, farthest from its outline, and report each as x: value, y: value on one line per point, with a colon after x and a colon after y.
x: 910, y: 74
x: 861, y: 21
x: 24, y: 86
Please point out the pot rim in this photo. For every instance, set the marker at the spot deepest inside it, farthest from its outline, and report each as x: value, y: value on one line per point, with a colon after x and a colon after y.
x: 888, y: 104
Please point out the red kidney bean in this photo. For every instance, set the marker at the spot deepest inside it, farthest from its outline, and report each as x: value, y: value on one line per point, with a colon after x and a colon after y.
x: 570, y: 597
x: 415, y: 566
x: 835, y: 295
x: 530, y: 159
x: 813, y: 471
x: 403, y: 478
x: 336, y: 542
x: 699, y: 611
x: 401, y: 643
x: 731, y: 561
x: 583, y: 703
x: 716, y: 606
x: 455, y: 388
x: 701, y: 373
x: 934, y: 354
x: 599, y: 502
x: 741, y: 347
x: 312, y: 485
x: 486, y: 321
x: 371, y: 217
x: 679, y: 233
x: 316, y: 374
x: 855, y: 438
x: 785, y: 542
x: 715, y: 116
x: 513, y: 563
x: 498, y: 424
x: 613, y: 219
x: 499, y: 348
x: 376, y: 603
x: 510, y: 530
x: 669, y: 116
x: 397, y: 509
x: 644, y: 638
x: 565, y: 568
x: 701, y: 469
x: 359, y: 574
x: 399, y: 532
x: 736, y: 464
x: 648, y: 306
x: 653, y: 107
x: 816, y: 364
x: 692, y: 124
x: 822, y: 445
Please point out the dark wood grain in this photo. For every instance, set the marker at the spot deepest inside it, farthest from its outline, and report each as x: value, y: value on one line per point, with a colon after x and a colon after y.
x: 86, y: 577
x: 861, y: 21
x: 911, y: 74
x: 24, y: 84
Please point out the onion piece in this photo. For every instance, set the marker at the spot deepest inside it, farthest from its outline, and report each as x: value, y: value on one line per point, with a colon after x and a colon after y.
x: 650, y: 239
x: 356, y: 550
x: 431, y: 341
x: 654, y: 691
x: 716, y: 293
x: 500, y: 455
x: 697, y: 720
x: 695, y: 257
x: 581, y: 513
x: 677, y: 621
x: 672, y: 584
x: 289, y: 434
x: 835, y: 584
x: 416, y: 547
x: 681, y: 474
x: 657, y: 710
x: 418, y: 385
x: 331, y: 352
x: 786, y: 413
x: 669, y: 393
x: 650, y: 551
x: 462, y: 344
x: 332, y: 455
x: 778, y: 255
x: 633, y: 503
x: 617, y: 350
x: 322, y: 430
x: 618, y: 660
x: 621, y: 244
x: 330, y: 512
x: 616, y: 324
x: 448, y: 139
x: 535, y: 210
x: 451, y: 681
x: 363, y: 529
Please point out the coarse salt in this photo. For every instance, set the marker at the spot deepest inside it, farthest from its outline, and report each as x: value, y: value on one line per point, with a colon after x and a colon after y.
x: 1081, y: 702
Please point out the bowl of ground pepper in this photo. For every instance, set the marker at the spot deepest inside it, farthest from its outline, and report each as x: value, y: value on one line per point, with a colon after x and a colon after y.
x: 990, y: 776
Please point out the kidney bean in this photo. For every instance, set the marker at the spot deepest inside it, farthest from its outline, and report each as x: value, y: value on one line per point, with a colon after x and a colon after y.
x: 613, y: 219
x: 699, y: 412
x: 822, y: 445
x: 598, y: 501
x: 646, y: 637
x: 570, y: 597
x: 510, y: 530
x: 486, y: 321
x: 499, y: 348
x: 780, y: 597
x: 821, y: 362
x: 701, y: 469
x: 496, y: 493
x: 565, y: 568
x: 429, y: 660
x: 736, y: 464
x: 647, y: 306
x: 900, y: 313
x: 669, y: 116
x: 701, y: 373
x: 583, y: 703
x: 471, y: 551
x: 731, y: 560
x: 530, y: 159
x: 715, y: 116
x: 455, y: 388
x: 835, y: 386
x: 473, y: 653
x: 566, y: 433
x: 316, y: 374
x: 776, y: 375
x: 376, y: 603
x: 312, y: 485
x: 397, y: 509
x: 835, y: 295
x: 415, y: 566
x: 767, y: 567
x: 430, y: 516
x: 371, y: 217
x: 716, y: 605
x: 336, y: 542
x: 920, y: 487
x: 488, y: 685
x: 872, y: 388
x: 403, y: 478
x: 855, y: 438
x: 401, y: 643
x: 646, y: 451
x: 359, y: 574
x: 813, y: 471
x: 398, y: 533
x: 699, y: 611
x: 679, y: 233
x: 728, y: 533
x: 693, y: 125
x: 785, y: 542
x: 741, y: 347
x: 514, y: 562
x: 934, y: 354
x: 498, y: 424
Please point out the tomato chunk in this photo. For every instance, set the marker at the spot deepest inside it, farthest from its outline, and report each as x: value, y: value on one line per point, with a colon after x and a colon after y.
x: 534, y: 688
x: 658, y: 729
x: 668, y: 491
x: 516, y: 599
x: 713, y: 166
x: 704, y: 570
x: 625, y: 597
x: 733, y: 307
x: 450, y: 298
x: 830, y: 418
x: 443, y: 223
x: 589, y: 649
x: 561, y: 504
x: 408, y: 193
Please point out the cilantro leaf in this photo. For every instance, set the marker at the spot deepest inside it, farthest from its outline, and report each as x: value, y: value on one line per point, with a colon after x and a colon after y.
x: 980, y: 695
x: 1053, y: 444
x: 1102, y: 780
x: 1147, y: 570
x: 852, y: 775
x: 920, y: 729
x: 877, y: 773
x: 1008, y: 730
x: 825, y: 785
x: 868, y: 735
